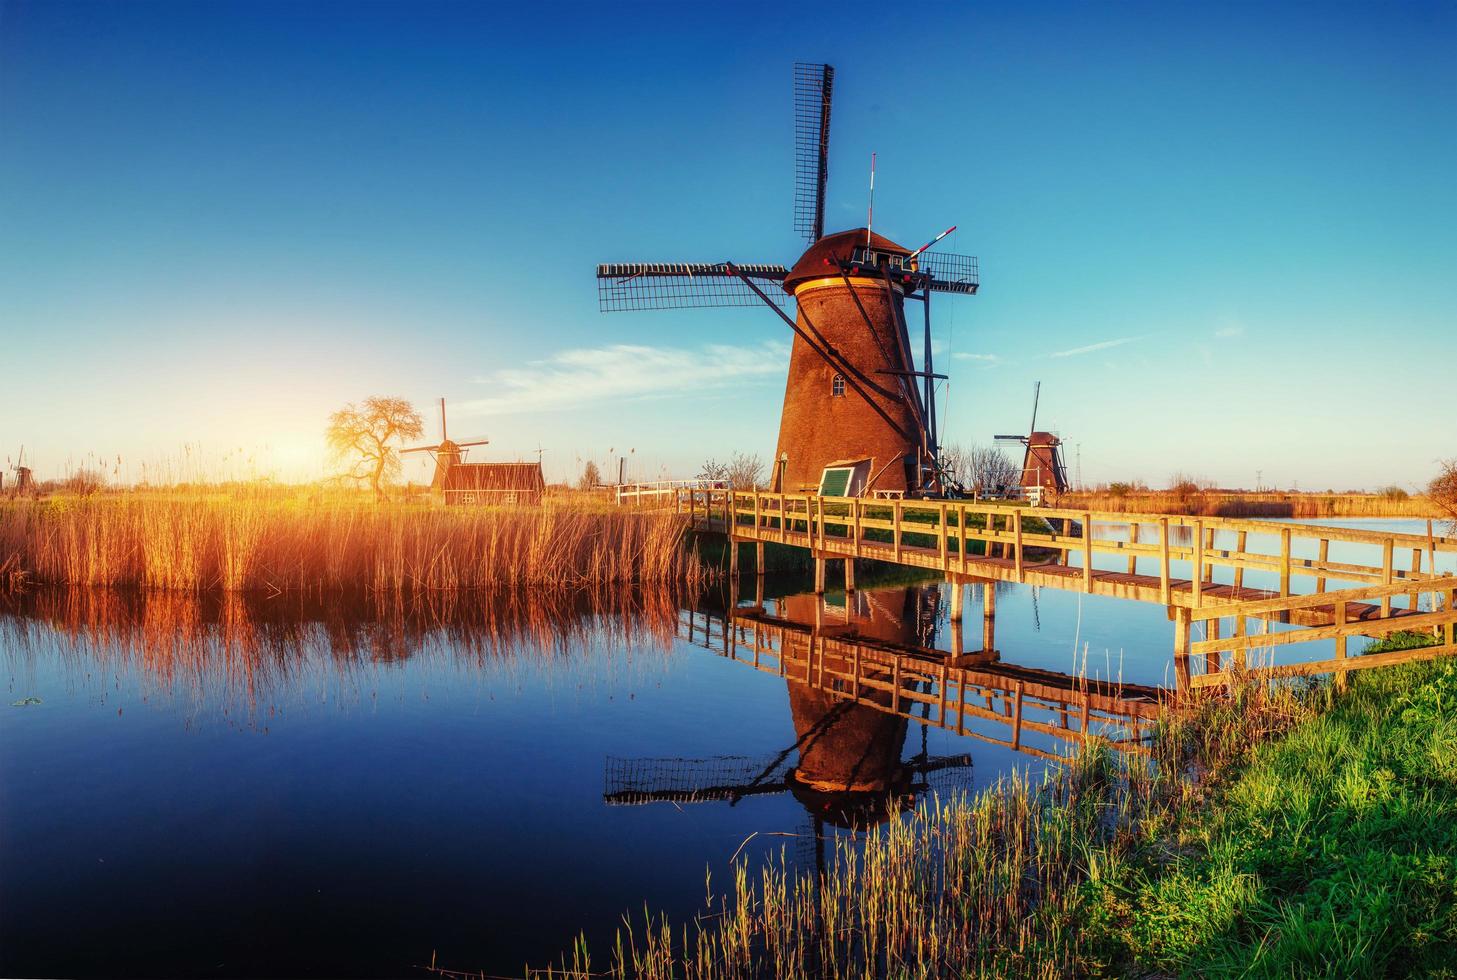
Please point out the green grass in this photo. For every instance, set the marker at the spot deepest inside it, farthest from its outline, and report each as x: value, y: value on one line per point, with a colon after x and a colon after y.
x: 1332, y: 851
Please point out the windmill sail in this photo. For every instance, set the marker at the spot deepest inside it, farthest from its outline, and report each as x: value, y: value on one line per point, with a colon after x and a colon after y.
x: 626, y: 286
x: 813, y: 85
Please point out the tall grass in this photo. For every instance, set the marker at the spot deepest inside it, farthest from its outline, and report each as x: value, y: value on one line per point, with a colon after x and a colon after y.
x: 264, y: 543
x: 1009, y: 883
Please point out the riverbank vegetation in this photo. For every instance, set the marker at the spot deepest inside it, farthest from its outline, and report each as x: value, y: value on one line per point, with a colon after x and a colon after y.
x: 274, y: 542
x: 1286, y: 831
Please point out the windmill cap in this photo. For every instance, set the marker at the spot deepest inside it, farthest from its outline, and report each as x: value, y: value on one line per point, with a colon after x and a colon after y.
x: 823, y: 258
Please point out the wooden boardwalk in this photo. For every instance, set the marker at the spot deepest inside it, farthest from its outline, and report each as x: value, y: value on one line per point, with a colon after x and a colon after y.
x: 1168, y: 560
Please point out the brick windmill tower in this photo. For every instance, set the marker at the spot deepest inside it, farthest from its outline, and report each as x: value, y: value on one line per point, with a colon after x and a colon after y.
x: 859, y: 414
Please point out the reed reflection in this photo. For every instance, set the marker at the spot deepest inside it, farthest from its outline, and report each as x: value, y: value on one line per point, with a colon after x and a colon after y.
x: 264, y: 651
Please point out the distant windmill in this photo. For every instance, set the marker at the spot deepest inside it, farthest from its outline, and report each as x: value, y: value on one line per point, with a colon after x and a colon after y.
x: 23, y: 482
x: 445, y: 453
x: 1042, y: 465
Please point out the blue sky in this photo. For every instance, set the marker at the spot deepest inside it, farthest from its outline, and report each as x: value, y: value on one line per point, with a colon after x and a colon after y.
x: 1223, y: 236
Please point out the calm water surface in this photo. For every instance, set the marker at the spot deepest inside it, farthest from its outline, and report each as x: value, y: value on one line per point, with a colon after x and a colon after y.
x: 296, y: 788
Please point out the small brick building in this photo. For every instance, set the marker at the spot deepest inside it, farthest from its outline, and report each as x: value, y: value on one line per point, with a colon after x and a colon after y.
x: 493, y: 483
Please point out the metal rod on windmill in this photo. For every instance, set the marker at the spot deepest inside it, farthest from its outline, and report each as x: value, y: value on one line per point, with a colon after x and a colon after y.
x: 853, y: 421
x: 870, y: 212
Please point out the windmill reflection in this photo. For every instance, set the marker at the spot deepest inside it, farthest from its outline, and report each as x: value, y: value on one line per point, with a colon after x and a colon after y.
x: 859, y: 667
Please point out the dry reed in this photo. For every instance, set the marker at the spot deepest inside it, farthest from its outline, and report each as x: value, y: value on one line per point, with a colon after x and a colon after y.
x: 246, y: 543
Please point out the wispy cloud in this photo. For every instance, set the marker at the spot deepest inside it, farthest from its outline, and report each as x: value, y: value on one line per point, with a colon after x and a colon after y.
x: 1100, y: 345
x: 1227, y: 333
x: 984, y: 358
x: 622, y: 372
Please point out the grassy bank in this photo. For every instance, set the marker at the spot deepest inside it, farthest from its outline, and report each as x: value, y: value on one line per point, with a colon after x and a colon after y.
x: 1215, y: 503
x: 277, y: 544
x: 1280, y: 832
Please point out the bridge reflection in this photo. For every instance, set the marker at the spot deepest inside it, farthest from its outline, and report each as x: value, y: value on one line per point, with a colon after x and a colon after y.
x: 859, y: 667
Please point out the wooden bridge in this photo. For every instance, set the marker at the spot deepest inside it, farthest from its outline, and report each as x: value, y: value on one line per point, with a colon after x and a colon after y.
x: 1193, y: 566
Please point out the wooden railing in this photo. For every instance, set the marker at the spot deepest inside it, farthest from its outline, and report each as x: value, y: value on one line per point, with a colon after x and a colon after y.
x: 957, y: 535
x: 1239, y: 643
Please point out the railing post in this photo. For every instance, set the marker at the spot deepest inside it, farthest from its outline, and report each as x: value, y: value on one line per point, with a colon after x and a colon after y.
x: 895, y: 520
x: 1087, y: 551
x: 1209, y: 562
x: 758, y: 516
x: 1181, y: 648
x: 1067, y: 533
x: 1338, y: 608
x: 1284, y: 561
x: 961, y: 532
x: 855, y: 515
x: 1017, y: 542
x: 1241, y: 542
x: 1196, y: 580
x: 944, y: 534
x: 1413, y: 600
x: 1133, y: 542
x: 1386, y: 550
x: 1323, y: 555
x: 1164, y: 596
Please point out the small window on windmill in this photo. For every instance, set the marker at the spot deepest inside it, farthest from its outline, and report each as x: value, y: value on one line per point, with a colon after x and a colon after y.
x: 837, y: 386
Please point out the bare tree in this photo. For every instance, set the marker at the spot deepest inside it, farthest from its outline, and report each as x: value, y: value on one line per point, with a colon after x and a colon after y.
x: 591, y: 476
x: 985, y: 469
x: 362, y: 437
x: 1443, y: 490
x: 712, y: 469
x: 745, y: 471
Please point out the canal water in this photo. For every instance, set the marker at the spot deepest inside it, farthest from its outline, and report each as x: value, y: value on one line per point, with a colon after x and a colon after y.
x: 230, y: 787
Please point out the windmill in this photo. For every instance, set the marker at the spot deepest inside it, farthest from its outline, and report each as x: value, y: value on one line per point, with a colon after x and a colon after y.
x: 445, y: 453
x: 855, y: 400
x: 24, y: 483
x: 1042, y: 466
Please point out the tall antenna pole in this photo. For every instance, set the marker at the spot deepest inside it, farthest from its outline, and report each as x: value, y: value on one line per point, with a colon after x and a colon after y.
x: 870, y: 215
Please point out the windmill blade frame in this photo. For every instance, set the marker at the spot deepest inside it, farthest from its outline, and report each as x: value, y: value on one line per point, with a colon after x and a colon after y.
x: 813, y: 92
x: 633, y: 286
x: 950, y: 272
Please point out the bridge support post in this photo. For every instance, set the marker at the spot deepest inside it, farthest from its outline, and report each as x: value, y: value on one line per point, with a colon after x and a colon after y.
x: 819, y: 576
x: 849, y: 575
x: 958, y: 591
x: 989, y: 617
x: 1182, y: 624
x: 758, y: 558
x: 958, y: 640
x: 733, y: 545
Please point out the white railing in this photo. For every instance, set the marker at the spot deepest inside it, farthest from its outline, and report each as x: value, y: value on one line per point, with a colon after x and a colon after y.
x: 662, y: 493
